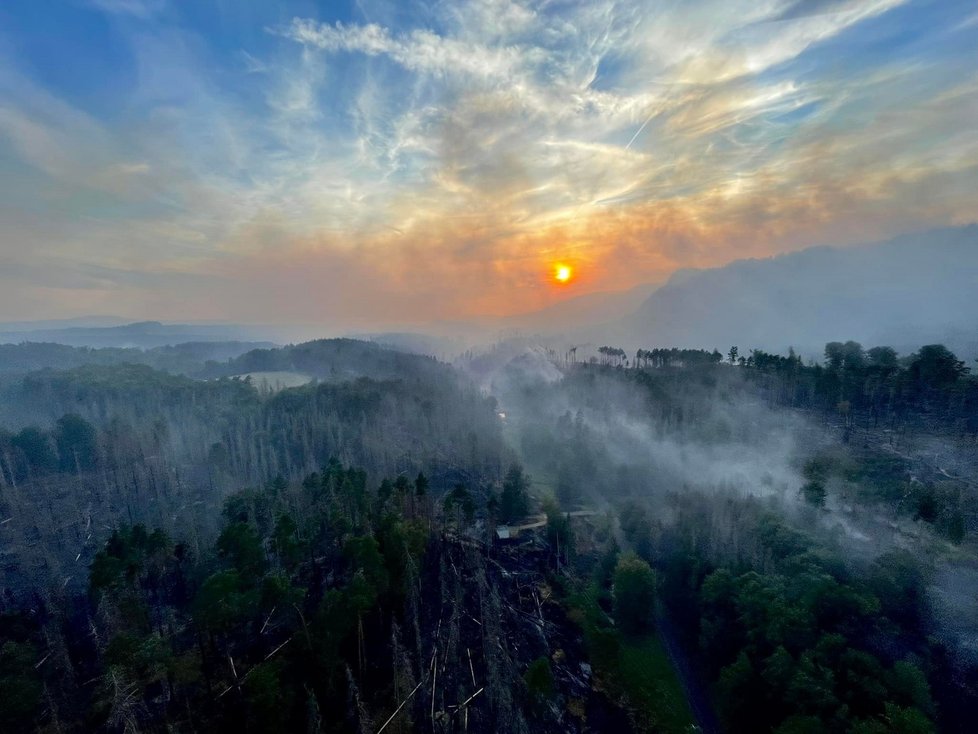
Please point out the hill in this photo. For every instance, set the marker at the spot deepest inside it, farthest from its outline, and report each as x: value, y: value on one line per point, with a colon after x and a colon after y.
x: 140, y: 335
x: 188, y: 358
x: 905, y: 292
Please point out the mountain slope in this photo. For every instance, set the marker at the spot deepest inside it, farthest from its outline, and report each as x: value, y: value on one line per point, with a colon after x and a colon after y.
x: 586, y: 310
x: 143, y: 334
x: 911, y: 290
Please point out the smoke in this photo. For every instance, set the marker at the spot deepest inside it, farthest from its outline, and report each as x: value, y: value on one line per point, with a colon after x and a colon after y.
x: 597, y: 436
x: 656, y: 440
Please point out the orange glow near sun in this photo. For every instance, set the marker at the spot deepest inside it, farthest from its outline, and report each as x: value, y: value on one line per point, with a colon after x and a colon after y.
x: 563, y: 273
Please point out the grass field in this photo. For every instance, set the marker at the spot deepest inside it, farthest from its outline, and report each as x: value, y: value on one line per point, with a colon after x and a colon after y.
x: 636, y: 669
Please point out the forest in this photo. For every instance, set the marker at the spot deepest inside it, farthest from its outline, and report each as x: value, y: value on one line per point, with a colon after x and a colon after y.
x: 676, y: 540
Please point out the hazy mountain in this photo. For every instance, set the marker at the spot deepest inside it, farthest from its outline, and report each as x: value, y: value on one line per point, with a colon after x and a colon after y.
x: 449, y: 339
x: 189, y: 358
x: 142, y: 335
x: 7, y: 327
x: 911, y: 290
x: 581, y: 311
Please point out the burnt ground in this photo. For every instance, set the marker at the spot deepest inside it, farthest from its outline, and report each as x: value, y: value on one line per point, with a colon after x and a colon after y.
x: 487, y: 614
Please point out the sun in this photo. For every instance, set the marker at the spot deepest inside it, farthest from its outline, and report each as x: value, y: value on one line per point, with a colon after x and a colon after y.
x: 563, y: 273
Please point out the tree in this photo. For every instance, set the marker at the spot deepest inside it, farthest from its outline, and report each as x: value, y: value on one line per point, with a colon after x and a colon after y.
x: 634, y: 593
x: 883, y: 357
x: 738, y: 690
x: 853, y: 356
x: 814, y: 493
x: 364, y: 557
x: 242, y: 546
x: 801, y: 725
x: 928, y: 505
x: 539, y: 678
x: 955, y: 527
x: 896, y: 579
x: 568, y: 486
x: 560, y: 534
x: 36, y: 447
x: 286, y: 542
x: 220, y: 602
x: 20, y: 686
x: 935, y: 366
x: 77, y: 443
x: 460, y: 498
x: 907, y: 720
x: 910, y: 686
x: 636, y: 525
x: 514, y: 501
x: 834, y: 355
x: 421, y: 485
x: 732, y: 355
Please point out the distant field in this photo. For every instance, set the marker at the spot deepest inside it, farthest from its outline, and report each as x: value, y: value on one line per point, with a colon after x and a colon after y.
x: 274, y: 381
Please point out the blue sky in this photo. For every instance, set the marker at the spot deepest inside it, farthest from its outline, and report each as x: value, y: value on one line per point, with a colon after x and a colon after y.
x: 387, y: 163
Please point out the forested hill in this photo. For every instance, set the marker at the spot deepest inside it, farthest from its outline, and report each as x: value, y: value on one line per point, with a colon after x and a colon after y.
x: 142, y: 334
x: 913, y: 290
x: 189, y: 358
x: 182, y: 555
x: 100, y: 444
x: 335, y: 359
x: 325, y: 359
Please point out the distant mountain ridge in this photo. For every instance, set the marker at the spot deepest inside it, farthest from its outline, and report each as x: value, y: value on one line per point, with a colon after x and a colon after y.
x: 334, y: 360
x: 140, y: 334
x: 581, y: 311
x: 908, y: 291
x: 904, y: 292
x: 188, y: 358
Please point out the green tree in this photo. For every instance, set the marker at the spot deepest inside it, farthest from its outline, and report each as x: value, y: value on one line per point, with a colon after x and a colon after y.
x: 460, y: 500
x: 801, y: 725
x: 910, y: 687
x: 421, y: 485
x: 514, y: 501
x: 636, y: 525
x: 907, y: 720
x: 240, y: 544
x: 20, y: 686
x: 77, y: 443
x: 835, y: 355
x: 559, y: 530
x: 37, y: 449
x: 634, y: 593
x: 268, y: 698
x: 221, y: 602
x: 935, y: 366
x: 286, y: 541
x: 539, y: 678
x: 883, y: 357
x: 739, y: 689
x: 363, y: 556
x: 814, y: 493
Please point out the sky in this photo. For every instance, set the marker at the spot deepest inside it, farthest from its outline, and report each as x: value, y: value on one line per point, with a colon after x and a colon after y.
x: 381, y: 163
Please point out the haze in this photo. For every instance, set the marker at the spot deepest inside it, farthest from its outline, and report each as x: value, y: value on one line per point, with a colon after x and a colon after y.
x: 489, y: 367
x: 369, y: 164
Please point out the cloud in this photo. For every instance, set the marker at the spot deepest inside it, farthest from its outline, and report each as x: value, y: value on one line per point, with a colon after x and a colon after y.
x: 429, y: 161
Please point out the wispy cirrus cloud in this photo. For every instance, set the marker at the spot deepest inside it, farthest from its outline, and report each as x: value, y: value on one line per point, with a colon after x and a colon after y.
x: 465, y: 146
